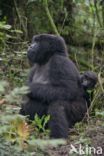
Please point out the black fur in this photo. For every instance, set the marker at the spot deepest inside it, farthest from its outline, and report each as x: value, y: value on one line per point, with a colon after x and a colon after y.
x: 55, y: 85
x: 88, y: 81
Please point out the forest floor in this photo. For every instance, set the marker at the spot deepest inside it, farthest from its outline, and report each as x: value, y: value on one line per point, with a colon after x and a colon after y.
x: 96, y: 136
x: 86, y: 138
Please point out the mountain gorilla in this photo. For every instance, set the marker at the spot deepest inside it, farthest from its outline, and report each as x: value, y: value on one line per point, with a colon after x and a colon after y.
x: 88, y: 81
x: 55, y: 85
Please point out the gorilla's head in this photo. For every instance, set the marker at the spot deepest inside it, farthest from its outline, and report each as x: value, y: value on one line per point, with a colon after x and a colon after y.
x: 89, y: 80
x: 44, y: 46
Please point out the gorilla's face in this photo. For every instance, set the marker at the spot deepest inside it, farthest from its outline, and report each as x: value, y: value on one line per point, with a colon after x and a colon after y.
x: 89, y: 80
x: 38, y: 51
x: 43, y: 47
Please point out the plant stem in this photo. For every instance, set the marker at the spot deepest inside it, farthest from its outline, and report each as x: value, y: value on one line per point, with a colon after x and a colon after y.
x: 20, y: 19
x: 50, y: 17
x: 97, y: 14
x: 103, y: 14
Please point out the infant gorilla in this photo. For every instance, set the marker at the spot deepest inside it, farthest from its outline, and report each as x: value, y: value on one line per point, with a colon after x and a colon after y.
x: 56, y: 87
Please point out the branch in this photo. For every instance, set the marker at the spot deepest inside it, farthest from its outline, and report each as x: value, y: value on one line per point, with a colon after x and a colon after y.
x: 97, y: 14
x: 50, y: 17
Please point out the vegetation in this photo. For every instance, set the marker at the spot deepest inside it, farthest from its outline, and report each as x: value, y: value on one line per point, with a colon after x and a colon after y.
x: 81, y: 23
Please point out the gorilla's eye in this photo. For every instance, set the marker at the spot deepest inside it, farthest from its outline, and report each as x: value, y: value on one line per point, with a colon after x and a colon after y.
x: 33, y: 46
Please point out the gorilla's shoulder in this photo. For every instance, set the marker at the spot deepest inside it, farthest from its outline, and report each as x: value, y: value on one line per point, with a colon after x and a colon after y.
x: 64, y: 66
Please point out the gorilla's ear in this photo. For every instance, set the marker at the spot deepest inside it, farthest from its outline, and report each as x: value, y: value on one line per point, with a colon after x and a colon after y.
x: 88, y: 80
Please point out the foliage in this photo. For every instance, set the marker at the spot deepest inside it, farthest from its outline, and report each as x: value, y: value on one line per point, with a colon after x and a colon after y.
x: 10, y: 55
x: 40, y: 125
x: 3, y: 86
x: 15, y: 96
x: 3, y: 35
x: 15, y: 129
x: 23, y: 136
x: 100, y: 114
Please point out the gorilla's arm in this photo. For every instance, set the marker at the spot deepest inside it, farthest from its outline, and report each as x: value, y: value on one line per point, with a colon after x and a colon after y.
x: 50, y: 93
x: 61, y: 86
